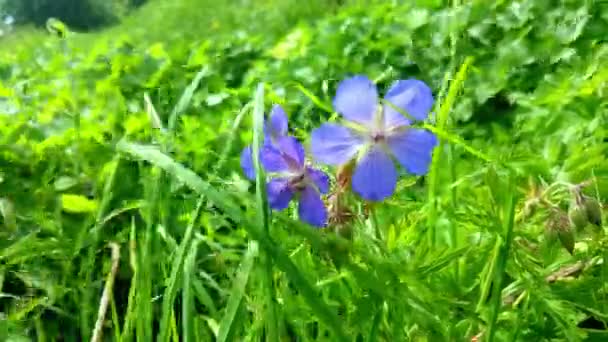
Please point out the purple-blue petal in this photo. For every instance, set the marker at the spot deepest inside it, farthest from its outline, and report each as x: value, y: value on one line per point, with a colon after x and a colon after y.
x: 286, y: 155
x: 334, y: 144
x: 293, y: 151
x: 356, y: 99
x: 375, y: 176
x: 277, y: 123
x: 279, y: 193
x: 273, y: 159
x: 320, y: 179
x: 412, y: 96
x: 413, y: 148
x: 311, y: 208
x: 247, y: 163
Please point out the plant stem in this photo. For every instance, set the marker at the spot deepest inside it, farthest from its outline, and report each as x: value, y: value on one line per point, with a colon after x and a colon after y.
x: 105, y: 298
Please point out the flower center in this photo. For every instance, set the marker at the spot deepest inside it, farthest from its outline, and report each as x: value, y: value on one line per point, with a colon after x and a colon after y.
x: 298, y: 182
x: 377, y: 137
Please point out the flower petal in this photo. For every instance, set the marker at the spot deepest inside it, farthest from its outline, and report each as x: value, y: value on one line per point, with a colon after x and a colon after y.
x: 375, y: 175
x: 247, y: 163
x: 279, y: 193
x: 286, y: 155
x: 356, y: 99
x: 413, y: 96
x: 273, y: 159
x: 413, y: 148
x: 311, y: 208
x: 293, y: 150
x: 334, y: 144
x: 277, y: 123
x: 320, y: 179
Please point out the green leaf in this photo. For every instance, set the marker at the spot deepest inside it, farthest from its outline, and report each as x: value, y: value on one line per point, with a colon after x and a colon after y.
x: 416, y: 18
x: 215, y: 99
x: 7, y: 210
x: 78, y: 204
x: 64, y: 183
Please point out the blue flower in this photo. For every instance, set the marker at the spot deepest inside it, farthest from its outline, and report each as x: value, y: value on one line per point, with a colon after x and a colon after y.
x: 375, y: 134
x: 283, y: 158
x: 274, y: 130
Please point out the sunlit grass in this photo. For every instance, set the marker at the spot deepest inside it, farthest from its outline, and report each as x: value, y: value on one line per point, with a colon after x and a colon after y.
x: 152, y: 167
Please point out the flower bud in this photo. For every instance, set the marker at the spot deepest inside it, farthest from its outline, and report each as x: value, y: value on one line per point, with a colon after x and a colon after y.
x: 566, y: 237
x: 558, y: 227
x: 577, y: 213
x: 550, y: 233
x: 593, y: 210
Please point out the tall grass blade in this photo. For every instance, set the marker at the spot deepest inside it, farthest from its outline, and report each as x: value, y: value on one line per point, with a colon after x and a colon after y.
x: 317, y: 101
x: 184, y: 100
x: 501, y: 263
x: 267, y: 285
x: 176, y: 272
x: 188, y: 313
x: 227, y: 325
x: 442, y: 120
x: 106, y: 197
x: 129, y: 324
x: 230, y: 140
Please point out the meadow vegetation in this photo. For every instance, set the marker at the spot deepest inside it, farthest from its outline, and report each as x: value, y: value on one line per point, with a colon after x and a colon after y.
x: 126, y: 214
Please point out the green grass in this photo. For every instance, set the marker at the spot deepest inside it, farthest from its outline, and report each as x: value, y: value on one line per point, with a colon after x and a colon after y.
x: 23, y: 38
x: 130, y: 137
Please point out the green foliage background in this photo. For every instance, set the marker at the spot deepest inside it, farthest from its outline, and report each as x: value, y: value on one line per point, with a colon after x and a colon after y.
x: 81, y: 14
x: 83, y: 163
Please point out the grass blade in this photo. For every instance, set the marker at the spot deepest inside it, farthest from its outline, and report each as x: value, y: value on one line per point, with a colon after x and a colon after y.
x: 176, y: 272
x: 260, y: 179
x: 155, y: 120
x: 230, y: 140
x: 107, y: 293
x: 442, y: 120
x: 227, y: 325
x: 188, y: 313
x: 203, y: 295
x: 317, y: 101
x: 457, y: 141
x: 153, y: 195
x: 267, y: 284
x: 88, y: 268
x: 185, y: 99
x: 501, y: 263
x: 154, y: 156
x: 132, y: 302
x: 373, y: 333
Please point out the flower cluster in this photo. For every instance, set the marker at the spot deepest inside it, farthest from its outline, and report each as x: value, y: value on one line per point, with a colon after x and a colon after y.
x: 373, y: 135
x: 283, y: 157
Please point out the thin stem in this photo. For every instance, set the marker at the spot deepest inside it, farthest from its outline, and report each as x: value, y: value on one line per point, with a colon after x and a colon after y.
x: 453, y: 198
x: 105, y: 298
